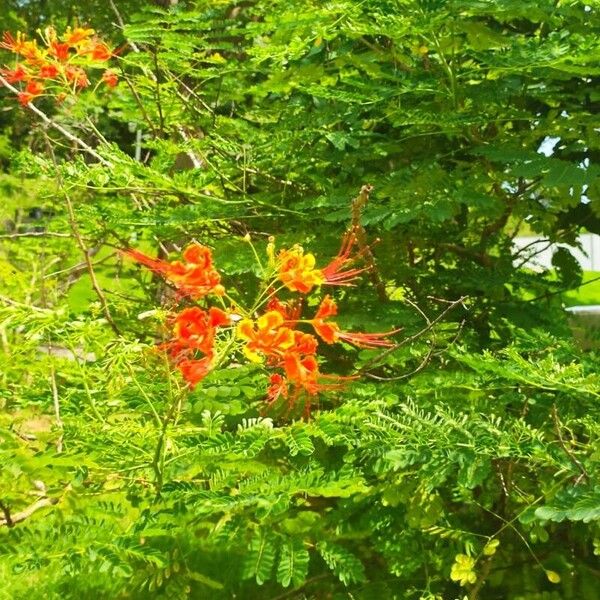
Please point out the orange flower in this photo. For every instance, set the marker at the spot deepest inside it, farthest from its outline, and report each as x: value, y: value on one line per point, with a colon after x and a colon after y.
x: 330, y: 332
x: 35, y: 88
x: 101, y: 52
x: 297, y: 272
x: 76, y: 36
x: 59, y: 51
x: 278, y: 387
x: 194, y: 329
x: 302, y: 371
x: 10, y: 43
x: 24, y: 98
x: 77, y: 76
x: 305, y: 343
x: 267, y: 336
x: 196, y: 277
x: 16, y: 74
x: 27, y: 49
x: 31, y: 53
x: 110, y: 78
x: 32, y: 91
x: 48, y: 71
x: 326, y: 331
x: 290, y: 311
x: 194, y: 371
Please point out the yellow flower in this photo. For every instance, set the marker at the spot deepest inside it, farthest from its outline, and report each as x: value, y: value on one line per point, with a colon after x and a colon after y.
x: 462, y: 569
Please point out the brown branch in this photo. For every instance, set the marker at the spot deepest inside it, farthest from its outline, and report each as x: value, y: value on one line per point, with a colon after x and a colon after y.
x: 35, y: 234
x: 361, y: 238
x: 84, y: 249
x: 430, y: 325
x: 12, y: 520
x: 90, y: 266
x: 499, y: 224
x: 70, y: 136
x: 7, y: 516
x: 484, y: 574
x: 479, y: 257
x: 56, y: 402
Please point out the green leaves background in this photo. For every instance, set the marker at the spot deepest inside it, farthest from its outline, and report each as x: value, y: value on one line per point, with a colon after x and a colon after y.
x: 286, y: 109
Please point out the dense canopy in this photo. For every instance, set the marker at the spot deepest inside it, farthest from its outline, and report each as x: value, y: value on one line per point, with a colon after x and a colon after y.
x: 264, y: 328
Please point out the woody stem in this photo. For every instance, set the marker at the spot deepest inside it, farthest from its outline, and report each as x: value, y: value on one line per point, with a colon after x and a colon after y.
x: 361, y: 239
x: 70, y: 136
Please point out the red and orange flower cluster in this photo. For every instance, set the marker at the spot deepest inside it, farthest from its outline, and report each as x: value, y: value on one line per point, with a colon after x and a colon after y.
x: 58, y: 66
x: 298, y: 273
x: 273, y: 332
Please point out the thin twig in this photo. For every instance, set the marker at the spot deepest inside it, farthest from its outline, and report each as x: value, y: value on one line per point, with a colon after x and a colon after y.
x: 416, y: 370
x: 26, y: 513
x: 35, y: 234
x: 121, y: 23
x: 84, y: 249
x: 16, y: 304
x: 308, y: 582
x: 530, y: 257
x: 361, y: 238
x: 561, y: 441
x: 562, y: 290
x: 411, y: 338
x: 74, y: 269
x: 161, y: 118
x: 483, y: 575
x: 70, y: 136
x: 56, y: 402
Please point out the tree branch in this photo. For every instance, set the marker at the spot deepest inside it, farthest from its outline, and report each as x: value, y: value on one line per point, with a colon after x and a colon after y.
x: 428, y: 327
x: 11, y: 520
x: 70, y: 136
x: 361, y: 238
x: 87, y: 257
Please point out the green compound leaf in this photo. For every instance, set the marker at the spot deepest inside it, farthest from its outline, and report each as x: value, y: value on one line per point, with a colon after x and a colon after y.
x: 260, y: 558
x: 342, y: 562
x: 293, y: 563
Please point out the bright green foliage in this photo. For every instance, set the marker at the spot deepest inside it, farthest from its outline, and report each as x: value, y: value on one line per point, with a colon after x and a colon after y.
x: 464, y: 462
x: 293, y: 563
x: 573, y: 505
x: 260, y: 558
x: 343, y: 563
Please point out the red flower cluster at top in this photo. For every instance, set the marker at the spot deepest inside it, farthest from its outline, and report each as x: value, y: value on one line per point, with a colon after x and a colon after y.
x: 59, y: 64
x: 273, y: 337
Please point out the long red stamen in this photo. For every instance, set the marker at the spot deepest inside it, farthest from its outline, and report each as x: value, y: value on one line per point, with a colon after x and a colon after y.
x: 333, y: 273
x: 368, y: 340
